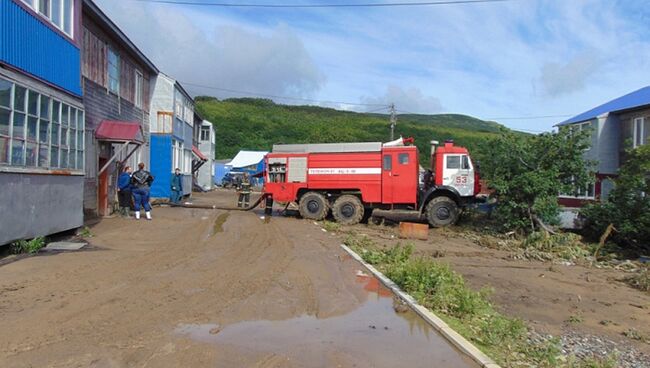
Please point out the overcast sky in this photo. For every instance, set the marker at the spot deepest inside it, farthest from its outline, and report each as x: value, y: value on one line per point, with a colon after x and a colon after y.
x: 500, y: 61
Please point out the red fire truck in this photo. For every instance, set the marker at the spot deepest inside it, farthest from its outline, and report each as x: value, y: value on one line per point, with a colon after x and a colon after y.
x: 351, y: 179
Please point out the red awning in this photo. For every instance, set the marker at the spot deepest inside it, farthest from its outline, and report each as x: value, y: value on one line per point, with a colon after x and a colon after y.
x: 119, y: 131
x: 199, y: 154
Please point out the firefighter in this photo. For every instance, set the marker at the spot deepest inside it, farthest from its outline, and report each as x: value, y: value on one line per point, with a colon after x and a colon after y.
x: 244, y: 190
x: 428, y: 179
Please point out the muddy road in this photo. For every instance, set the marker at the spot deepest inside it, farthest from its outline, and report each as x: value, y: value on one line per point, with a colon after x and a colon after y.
x: 207, y: 288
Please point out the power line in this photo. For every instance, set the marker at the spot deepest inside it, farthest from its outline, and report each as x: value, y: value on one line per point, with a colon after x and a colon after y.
x: 303, y: 6
x: 509, y: 118
x: 248, y: 93
x: 529, y: 117
x: 376, y: 110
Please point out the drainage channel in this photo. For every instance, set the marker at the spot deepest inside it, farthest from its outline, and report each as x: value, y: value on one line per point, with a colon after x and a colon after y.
x: 382, y: 332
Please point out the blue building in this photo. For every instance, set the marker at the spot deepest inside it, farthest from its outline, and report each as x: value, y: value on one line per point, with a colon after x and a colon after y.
x: 221, y: 168
x: 42, y: 131
x: 172, y: 120
x: 250, y: 162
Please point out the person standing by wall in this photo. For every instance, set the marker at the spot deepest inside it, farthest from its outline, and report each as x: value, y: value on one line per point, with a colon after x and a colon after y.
x: 177, y: 186
x: 141, y: 181
x: 124, y: 191
x: 244, y: 191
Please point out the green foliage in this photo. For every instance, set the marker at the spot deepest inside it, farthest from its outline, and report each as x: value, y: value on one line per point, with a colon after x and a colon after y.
x: 544, y: 246
x: 641, y: 279
x: 331, y: 226
x: 28, y: 246
x: 628, y: 204
x: 257, y: 124
x: 528, y: 172
x: 369, y: 251
x: 437, y: 287
x: 610, y: 361
x: 85, y: 232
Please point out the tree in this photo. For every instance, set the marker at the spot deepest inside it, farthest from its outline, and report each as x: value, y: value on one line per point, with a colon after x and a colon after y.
x: 628, y: 205
x: 528, y: 172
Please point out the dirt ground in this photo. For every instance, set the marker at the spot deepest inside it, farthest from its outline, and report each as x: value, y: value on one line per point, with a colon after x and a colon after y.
x: 208, y: 288
x: 553, y: 298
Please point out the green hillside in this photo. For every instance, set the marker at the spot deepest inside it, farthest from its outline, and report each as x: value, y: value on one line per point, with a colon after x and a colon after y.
x: 257, y: 124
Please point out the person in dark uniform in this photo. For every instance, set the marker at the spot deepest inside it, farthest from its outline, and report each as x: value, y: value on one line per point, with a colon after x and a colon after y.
x: 428, y: 179
x: 244, y: 191
x: 141, y: 181
x: 124, y: 191
x: 176, y: 186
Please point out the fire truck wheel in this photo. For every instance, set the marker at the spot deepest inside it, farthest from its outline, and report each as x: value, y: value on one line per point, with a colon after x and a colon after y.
x: 348, y: 210
x: 313, y: 206
x: 442, y: 211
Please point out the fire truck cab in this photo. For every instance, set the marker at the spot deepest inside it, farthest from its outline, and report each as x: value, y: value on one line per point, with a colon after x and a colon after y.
x: 352, y: 179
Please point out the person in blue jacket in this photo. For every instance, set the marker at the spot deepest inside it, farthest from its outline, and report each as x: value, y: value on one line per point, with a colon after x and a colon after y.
x: 124, y: 191
x: 176, y: 186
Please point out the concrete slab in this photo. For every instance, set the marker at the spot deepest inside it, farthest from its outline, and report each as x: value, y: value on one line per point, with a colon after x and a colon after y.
x: 64, y: 245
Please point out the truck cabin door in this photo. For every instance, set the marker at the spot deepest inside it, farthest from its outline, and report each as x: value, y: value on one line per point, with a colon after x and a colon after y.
x: 399, y: 177
x: 458, y: 173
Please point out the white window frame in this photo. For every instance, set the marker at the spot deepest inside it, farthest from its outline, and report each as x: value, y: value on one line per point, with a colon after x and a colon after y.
x: 108, y: 70
x: 64, y: 14
x: 40, y: 142
x: 588, y: 192
x: 641, y: 122
x: 139, y: 90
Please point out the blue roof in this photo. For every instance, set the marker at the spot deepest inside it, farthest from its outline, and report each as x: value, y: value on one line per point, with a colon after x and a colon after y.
x: 631, y: 100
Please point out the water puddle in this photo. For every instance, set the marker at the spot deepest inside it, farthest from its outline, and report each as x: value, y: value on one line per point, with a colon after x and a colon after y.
x: 380, y: 333
x: 218, y: 223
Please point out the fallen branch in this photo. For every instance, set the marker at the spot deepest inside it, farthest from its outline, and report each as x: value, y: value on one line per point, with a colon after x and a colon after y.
x: 608, y: 231
x: 543, y: 226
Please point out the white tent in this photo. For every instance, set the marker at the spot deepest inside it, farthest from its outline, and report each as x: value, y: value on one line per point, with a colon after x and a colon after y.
x: 247, y: 158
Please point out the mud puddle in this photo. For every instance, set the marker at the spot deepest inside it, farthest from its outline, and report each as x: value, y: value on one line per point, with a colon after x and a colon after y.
x: 373, y: 335
x: 218, y: 223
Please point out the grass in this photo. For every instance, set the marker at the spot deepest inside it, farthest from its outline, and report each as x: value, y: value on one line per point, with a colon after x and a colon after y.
x: 575, y: 319
x: 641, y: 279
x: 593, y: 362
x: 85, y: 232
x: 28, y: 246
x: 331, y: 226
x: 436, y: 286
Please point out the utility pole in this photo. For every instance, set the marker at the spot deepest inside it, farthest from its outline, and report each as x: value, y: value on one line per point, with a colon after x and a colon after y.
x: 393, y: 121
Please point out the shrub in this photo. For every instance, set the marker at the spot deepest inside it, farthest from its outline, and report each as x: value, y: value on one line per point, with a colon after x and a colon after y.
x: 628, y: 204
x: 29, y: 246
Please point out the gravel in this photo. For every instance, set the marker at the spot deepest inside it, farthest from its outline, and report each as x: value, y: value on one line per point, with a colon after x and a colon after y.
x: 584, y: 346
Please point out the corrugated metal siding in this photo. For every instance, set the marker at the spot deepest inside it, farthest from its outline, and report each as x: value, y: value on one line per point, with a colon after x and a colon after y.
x: 28, y: 44
x: 161, y: 164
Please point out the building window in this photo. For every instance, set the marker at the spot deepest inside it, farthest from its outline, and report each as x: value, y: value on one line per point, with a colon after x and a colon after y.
x: 35, y: 130
x: 57, y: 12
x: 177, y: 159
x: 588, y: 192
x: 113, y: 71
x: 163, y: 123
x: 187, y: 162
x: 139, y: 83
x: 205, y: 134
x: 639, y: 135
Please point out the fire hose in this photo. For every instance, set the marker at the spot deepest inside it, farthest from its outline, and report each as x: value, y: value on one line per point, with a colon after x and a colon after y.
x: 269, y: 205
